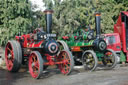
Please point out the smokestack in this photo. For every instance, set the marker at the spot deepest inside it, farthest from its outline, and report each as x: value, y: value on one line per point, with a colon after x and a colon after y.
x: 48, y: 14
x: 97, y: 24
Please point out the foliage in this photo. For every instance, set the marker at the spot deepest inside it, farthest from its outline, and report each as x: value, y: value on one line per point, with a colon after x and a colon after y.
x: 15, y: 17
x: 39, y: 19
x: 72, y: 14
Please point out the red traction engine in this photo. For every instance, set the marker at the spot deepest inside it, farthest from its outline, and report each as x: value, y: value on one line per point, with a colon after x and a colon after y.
x: 40, y: 49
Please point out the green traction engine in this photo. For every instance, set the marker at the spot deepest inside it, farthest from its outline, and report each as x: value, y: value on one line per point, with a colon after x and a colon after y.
x: 90, y: 50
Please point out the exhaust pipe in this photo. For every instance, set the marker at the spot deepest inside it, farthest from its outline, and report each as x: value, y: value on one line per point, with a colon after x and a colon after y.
x: 48, y: 18
x: 97, y: 24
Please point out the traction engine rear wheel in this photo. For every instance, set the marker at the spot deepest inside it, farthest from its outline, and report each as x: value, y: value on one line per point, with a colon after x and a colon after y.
x: 89, y: 60
x: 68, y: 62
x: 109, y: 59
x: 13, y: 56
x: 35, y: 64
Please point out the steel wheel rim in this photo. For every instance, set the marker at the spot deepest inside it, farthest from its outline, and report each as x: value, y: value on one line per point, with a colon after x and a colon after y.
x: 109, y: 59
x: 34, y: 65
x: 64, y: 67
x: 89, y: 61
x: 9, y: 56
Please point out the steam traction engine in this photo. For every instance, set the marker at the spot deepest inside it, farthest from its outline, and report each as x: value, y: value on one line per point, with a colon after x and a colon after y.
x: 88, y: 50
x: 40, y: 49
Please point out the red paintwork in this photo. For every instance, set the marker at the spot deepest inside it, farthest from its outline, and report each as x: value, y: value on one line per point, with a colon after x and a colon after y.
x: 65, y: 37
x: 26, y: 38
x: 75, y: 37
x: 50, y: 59
x: 51, y: 62
x: 75, y: 48
x: 35, y: 45
x: 119, y: 28
x: 28, y: 41
x: 116, y: 43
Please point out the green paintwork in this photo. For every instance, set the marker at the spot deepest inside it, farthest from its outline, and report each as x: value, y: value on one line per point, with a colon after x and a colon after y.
x: 99, y: 55
x: 81, y: 41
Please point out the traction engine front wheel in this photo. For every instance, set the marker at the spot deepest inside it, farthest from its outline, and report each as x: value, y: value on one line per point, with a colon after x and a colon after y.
x: 35, y: 64
x: 68, y: 62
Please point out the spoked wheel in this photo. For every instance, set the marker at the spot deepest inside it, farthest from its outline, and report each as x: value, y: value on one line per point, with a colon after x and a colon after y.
x: 68, y: 62
x: 13, y: 56
x: 35, y: 64
x: 89, y: 60
x: 109, y: 59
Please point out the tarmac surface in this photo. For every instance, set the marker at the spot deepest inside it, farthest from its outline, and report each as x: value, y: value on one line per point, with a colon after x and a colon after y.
x: 117, y: 76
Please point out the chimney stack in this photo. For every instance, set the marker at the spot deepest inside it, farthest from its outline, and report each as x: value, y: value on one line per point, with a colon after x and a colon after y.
x: 97, y: 24
x: 48, y: 14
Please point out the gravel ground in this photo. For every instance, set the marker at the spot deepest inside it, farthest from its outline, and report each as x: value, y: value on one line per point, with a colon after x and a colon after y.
x: 117, y: 76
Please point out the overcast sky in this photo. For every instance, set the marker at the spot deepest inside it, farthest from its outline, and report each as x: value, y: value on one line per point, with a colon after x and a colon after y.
x: 39, y: 4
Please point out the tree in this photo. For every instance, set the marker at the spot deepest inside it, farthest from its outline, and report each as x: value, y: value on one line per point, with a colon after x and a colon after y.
x: 72, y: 14
x: 64, y: 16
x: 15, y: 17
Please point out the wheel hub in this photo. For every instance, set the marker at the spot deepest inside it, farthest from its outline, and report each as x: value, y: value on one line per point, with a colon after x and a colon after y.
x: 33, y: 64
x: 88, y: 60
x: 102, y: 45
x: 9, y: 56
